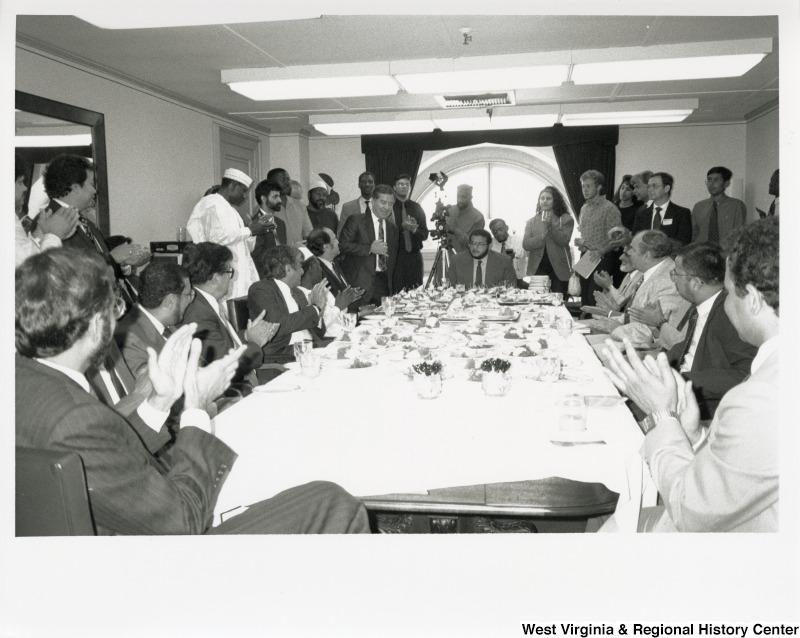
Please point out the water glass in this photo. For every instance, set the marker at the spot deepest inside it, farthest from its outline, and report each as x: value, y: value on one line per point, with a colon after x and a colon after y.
x: 388, y: 305
x: 302, y: 347
x: 310, y: 364
x: 557, y: 297
x: 349, y: 320
x: 427, y: 386
x: 180, y: 234
x: 572, y: 414
x: 549, y: 367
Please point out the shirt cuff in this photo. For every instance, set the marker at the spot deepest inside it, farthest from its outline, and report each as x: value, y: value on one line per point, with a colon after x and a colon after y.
x: 197, y: 418
x: 151, y: 416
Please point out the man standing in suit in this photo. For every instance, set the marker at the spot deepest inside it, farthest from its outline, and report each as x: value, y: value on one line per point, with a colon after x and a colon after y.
x: 410, y: 221
x: 481, y: 266
x: 69, y: 183
x: 210, y: 268
x: 673, y: 220
x: 711, y: 355
x: 64, y: 320
x: 366, y: 184
x: 278, y: 296
x: 268, y: 199
x: 292, y: 211
x: 165, y: 293
x: 369, y: 245
x: 715, y: 218
x: 721, y: 478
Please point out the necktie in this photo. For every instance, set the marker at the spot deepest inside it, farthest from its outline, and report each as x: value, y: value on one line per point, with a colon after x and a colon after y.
x: 689, y: 335
x: 223, y: 313
x: 406, y: 234
x: 713, y: 224
x: 383, y: 260
x: 657, y: 218
x: 367, y: 210
x: 630, y: 291
x: 84, y: 224
x: 503, y: 248
x: 771, y: 212
x: 478, y: 275
x: 168, y: 332
x: 338, y: 272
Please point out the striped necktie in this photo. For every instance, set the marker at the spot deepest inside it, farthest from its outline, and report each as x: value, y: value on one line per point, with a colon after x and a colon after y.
x: 84, y: 224
x: 693, y: 314
x: 713, y: 224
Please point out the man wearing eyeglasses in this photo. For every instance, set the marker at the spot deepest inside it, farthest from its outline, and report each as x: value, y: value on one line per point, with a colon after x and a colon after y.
x: 711, y: 355
x: 481, y: 267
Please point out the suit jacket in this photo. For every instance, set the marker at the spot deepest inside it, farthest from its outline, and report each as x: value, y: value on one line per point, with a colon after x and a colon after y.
x: 555, y: 239
x: 413, y: 209
x: 721, y: 361
x: 130, y: 491
x: 348, y: 208
x: 499, y: 269
x: 265, y: 295
x: 658, y: 289
x: 134, y: 333
x: 676, y: 222
x: 82, y: 241
x: 731, y: 483
x: 358, y: 263
x: 317, y: 271
x: 266, y: 241
x: 217, y: 340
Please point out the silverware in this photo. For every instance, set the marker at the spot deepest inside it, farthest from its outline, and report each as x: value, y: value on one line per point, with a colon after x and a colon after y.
x: 571, y: 443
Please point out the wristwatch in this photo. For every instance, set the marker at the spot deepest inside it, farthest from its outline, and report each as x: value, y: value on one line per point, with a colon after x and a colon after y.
x: 654, y: 418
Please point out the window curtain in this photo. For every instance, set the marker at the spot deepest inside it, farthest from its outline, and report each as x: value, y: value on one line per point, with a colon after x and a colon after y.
x: 577, y: 149
x: 387, y: 163
x: 575, y: 159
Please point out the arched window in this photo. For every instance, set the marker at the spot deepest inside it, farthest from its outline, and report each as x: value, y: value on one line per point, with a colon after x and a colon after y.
x: 506, y: 181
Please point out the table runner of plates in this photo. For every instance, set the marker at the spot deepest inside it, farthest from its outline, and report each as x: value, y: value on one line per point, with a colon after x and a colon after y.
x: 360, y: 423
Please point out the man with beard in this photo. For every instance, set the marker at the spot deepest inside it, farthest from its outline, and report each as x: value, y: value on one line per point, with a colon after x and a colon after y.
x: 215, y: 219
x: 509, y: 244
x: 481, y: 266
x: 366, y: 184
x: 268, y: 198
x: 464, y: 219
x: 318, y: 213
x: 64, y: 319
x: 292, y: 211
x: 410, y: 221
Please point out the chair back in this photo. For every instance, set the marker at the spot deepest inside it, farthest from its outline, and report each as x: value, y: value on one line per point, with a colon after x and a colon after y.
x: 238, y: 313
x: 51, y: 494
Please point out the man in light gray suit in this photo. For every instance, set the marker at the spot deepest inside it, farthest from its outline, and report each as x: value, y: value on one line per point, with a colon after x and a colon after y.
x: 366, y: 184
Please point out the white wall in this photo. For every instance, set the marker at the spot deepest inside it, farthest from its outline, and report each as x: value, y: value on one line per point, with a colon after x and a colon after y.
x: 342, y: 159
x: 762, y: 160
x: 290, y: 152
x: 160, y: 154
x: 686, y: 153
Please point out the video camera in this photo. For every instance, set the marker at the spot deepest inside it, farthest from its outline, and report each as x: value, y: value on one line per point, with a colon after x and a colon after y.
x: 441, y: 214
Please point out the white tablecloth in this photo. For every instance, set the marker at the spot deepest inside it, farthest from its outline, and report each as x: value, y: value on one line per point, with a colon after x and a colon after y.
x: 366, y: 430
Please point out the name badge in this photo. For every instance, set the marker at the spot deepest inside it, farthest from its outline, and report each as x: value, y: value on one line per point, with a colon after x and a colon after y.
x: 667, y: 222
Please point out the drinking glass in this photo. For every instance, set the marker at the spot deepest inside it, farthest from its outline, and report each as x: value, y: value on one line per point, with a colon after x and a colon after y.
x: 388, y: 305
x: 310, y: 364
x: 564, y: 327
x: 349, y: 320
x: 549, y: 367
x: 572, y: 417
x: 180, y: 234
x: 301, y: 347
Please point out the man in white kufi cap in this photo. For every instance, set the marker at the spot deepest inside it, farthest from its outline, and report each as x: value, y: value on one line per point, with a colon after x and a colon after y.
x: 215, y: 219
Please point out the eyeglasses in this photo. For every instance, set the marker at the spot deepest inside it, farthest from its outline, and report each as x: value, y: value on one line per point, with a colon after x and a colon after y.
x: 673, y: 274
x: 189, y: 294
x: 230, y: 272
x: 478, y: 244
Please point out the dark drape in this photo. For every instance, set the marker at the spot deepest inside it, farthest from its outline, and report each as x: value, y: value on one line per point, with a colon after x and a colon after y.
x: 577, y: 158
x: 388, y: 162
x: 577, y: 149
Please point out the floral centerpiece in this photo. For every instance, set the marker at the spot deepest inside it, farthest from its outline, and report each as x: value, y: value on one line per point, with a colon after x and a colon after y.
x: 496, y: 380
x: 428, y: 379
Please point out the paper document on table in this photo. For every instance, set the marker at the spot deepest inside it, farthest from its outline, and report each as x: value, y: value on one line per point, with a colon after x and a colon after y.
x: 585, y: 265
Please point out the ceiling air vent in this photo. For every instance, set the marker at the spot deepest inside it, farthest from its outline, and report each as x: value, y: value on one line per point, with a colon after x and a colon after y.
x: 486, y: 100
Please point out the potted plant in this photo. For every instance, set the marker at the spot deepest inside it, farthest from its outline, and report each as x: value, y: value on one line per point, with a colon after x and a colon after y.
x: 428, y: 379
x: 496, y: 379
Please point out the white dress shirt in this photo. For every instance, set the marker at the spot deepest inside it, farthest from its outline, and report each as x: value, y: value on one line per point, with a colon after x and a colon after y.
x: 297, y: 335
x: 376, y: 224
x: 661, y: 214
x: 703, y: 310
x: 215, y: 305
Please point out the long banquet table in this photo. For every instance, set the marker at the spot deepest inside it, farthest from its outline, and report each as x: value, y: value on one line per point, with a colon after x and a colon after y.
x: 366, y: 429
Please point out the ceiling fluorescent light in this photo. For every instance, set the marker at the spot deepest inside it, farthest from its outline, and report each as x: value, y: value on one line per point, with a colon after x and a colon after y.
x: 50, y: 141
x: 152, y: 14
x: 307, y: 82
x: 507, y: 118
x: 625, y: 117
x: 372, y: 123
x: 717, y: 66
